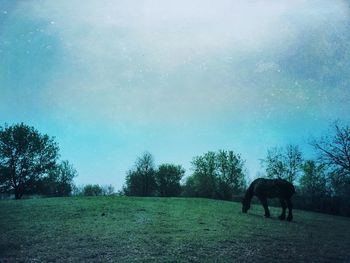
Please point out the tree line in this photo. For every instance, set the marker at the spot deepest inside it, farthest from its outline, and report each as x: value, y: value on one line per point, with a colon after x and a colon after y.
x: 328, y: 175
x: 215, y: 175
x: 323, y: 183
x: 30, y: 164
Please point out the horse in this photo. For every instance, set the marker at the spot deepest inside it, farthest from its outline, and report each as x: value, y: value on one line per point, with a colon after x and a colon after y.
x: 270, y: 188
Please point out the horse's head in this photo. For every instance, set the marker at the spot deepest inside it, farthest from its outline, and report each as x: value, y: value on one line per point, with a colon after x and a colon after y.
x: 245, y: 205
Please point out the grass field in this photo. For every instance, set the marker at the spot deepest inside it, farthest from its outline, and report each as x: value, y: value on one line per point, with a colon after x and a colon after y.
x: 123, y: 229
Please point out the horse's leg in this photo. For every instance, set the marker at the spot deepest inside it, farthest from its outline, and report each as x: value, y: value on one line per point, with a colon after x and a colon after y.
x: 263, y: 201
x: 290, y: 207
x: 284, y: 206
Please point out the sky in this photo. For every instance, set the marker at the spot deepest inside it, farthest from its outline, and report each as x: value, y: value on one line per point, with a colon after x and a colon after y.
x: 113, y: 79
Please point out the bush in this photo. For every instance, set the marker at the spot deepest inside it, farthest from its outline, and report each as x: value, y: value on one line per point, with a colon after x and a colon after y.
x: 92, y: 190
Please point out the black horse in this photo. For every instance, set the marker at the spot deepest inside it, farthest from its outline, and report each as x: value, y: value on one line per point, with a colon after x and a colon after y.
x: 270, y: 188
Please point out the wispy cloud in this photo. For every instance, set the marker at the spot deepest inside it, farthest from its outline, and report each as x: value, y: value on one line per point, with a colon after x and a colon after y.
x: 115, y: 78
x: 163, y: 59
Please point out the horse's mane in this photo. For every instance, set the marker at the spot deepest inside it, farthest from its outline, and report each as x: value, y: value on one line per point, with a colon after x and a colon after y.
x: 250, y: 191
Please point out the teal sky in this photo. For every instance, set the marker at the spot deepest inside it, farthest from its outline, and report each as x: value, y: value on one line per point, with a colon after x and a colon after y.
x: 112, y: 79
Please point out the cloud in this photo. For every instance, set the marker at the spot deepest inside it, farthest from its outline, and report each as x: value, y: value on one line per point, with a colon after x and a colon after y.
x: 157, y: 60
x: 111, y: 79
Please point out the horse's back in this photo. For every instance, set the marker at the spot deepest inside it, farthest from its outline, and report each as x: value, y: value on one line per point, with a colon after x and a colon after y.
x: 272, y: 188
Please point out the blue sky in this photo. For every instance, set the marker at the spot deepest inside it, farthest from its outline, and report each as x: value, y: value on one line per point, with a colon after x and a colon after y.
x: 112, y: 79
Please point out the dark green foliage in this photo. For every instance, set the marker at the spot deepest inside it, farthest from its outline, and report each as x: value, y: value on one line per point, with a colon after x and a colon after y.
x: 313, y: 182
x: 92, y: 190
x: 189, y: 188
x: 216, y: 175
x: 317, y: 190
x: 340, y: 183
x: 26, y: 156
x: 140, y: 181
x: 231, y: 174
x: 59, y: 181
x: 65, y: 174
x: 284, y: 163
x: 204, y: 175
x: 168, y: 178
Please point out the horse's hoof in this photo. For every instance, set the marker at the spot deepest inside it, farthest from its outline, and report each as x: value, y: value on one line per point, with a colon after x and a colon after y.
x: 267, y: 216
x: 282, y: 217
x: 289, y: 219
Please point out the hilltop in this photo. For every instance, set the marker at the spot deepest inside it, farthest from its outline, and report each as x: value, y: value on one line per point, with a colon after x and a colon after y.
x: 125, y: 229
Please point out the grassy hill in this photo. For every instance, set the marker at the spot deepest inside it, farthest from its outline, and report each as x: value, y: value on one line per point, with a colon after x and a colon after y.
x: 123, y: 229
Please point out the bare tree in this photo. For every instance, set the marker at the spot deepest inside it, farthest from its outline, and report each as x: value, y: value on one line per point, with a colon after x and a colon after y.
x: 334, y: 152
x: 334, y: 149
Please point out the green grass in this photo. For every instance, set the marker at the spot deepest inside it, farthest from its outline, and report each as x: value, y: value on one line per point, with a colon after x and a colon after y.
x: 123, y: 229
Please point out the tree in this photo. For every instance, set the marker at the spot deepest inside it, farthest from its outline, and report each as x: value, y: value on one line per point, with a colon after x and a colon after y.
x: 274, y: 163
x: 189, y: 188
x: 216, y: 175
x: 204, y: 175
x: 334, y: 152
x: 108, y: 189
x: 77, y: 190
x: 92, y: 190
x: 231, y: 174
x: 25, y: 157
x: 283, y: 163
x: 293, y: 160
x: 313, y: 181
x: 58, y: 182
x: 340, y: 184
x: 65, y: 174
x: 140, y: 181
x: 168, y: 178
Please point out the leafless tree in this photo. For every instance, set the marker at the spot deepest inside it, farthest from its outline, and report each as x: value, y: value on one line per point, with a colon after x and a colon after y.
x: 334, y: 149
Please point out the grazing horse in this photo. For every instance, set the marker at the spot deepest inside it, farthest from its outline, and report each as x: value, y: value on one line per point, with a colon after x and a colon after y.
x: 270, y: 188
